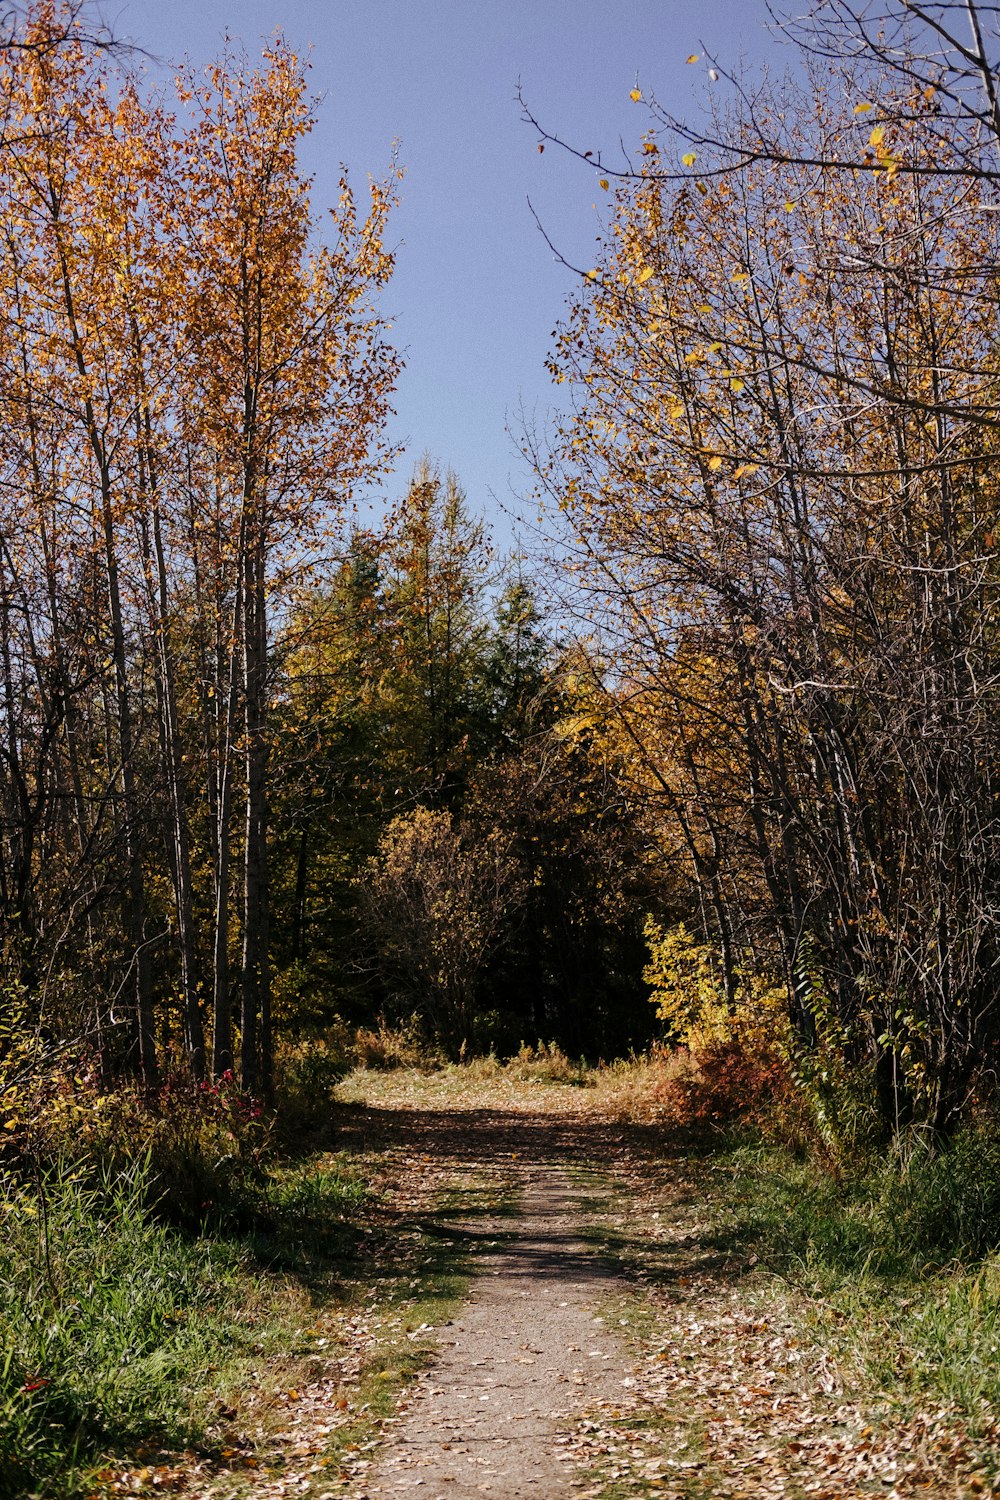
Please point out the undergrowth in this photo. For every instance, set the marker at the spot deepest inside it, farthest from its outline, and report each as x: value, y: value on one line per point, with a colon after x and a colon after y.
x: 118, y: 1330
x: 108, y: 1316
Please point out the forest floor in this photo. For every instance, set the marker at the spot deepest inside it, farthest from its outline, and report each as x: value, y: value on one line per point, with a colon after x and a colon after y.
x: 544, y: 1302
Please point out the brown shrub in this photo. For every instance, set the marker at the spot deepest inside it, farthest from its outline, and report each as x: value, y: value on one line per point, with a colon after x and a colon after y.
x: 726, y: 1082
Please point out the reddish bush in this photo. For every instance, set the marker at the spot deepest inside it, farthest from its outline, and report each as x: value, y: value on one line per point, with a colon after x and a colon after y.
x: 727, y: 1082
x: 205, y: 1142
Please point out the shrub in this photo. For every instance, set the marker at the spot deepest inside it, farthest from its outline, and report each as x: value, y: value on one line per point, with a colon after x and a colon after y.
x: 546, y: 1063
x: 685, y: 986
x: 436, y: 903
x: 383, y: 1047
x: 306, y: 1073
x: 737, y: 1079
x: 205, y: 1144
x: 733, y: 1063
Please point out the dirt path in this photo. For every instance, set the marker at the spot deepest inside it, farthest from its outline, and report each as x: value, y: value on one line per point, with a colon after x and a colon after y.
x: 728, y: 1387
x: 527, y: 1357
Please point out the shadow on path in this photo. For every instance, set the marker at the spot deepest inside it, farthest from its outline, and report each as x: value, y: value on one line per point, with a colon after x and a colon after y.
x: 473, y: 1137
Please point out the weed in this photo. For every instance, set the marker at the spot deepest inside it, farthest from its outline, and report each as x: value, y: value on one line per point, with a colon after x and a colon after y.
x: 900, y: 1256
x: 546, y: 1063
x: 306, y: 1073
x: 384, y: 1048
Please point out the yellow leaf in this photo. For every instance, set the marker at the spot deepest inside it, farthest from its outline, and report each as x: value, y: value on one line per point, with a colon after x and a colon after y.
x: 689, y: 158
x: 742, y: 469
x: 593, y: 275
x: 676, y: 411
x: 714, y: 348
x: 635, y: 96
x: 741, y: 276
x: 704, y: 307
x: 650, y: 148
x: 645, y: 274
x: 789, y: 206
x: 736, y: 385
x: 604, y: 183
x: 715, y: 462
x: 694, y: 57
x: 861, y: 109
x: 877, y: 136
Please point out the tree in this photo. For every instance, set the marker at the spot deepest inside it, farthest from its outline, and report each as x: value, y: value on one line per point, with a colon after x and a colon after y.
x: 288, y: 382
x: 332, y: 799
x: 399, y: 677
x: 777, y: 473
x: 559, y: 798
x: 195, y: 384
x: 438, y: 564
x: 437, y: 907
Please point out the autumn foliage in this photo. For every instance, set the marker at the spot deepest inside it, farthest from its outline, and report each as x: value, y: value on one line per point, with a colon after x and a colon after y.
x: 776, y: 478
x: 194, y: 383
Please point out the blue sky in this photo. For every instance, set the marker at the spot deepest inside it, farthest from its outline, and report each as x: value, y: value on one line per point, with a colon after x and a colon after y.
x: 476, y: 291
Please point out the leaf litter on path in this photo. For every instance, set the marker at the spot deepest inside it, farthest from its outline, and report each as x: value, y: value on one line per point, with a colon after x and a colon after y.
x: 734, y: 1396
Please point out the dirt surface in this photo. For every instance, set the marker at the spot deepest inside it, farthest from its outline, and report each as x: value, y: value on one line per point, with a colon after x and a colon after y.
x: 526, y: 1359
x: 727, y: 1387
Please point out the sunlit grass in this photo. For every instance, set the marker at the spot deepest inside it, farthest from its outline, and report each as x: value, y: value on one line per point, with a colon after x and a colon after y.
x: 110, y: 1322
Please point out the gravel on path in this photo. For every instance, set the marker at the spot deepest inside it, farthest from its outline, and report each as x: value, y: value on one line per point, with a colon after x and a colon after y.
x: 526, y: 1358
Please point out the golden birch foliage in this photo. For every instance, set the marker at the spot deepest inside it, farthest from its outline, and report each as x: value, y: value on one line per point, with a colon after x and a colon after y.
x: 281, y: 335
x: 776, y: 475
x: 739, y: 414
x: 193, y: 376
x: 685, y: 987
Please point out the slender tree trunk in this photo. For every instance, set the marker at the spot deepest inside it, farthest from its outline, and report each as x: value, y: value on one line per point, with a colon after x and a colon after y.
x: 222, y: 1005
x: 143, y: 1038
x: 256, y: 1001
x: 166, y: 677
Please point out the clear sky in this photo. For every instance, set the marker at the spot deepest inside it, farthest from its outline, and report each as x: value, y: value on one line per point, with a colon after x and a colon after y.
x: 476, y: 291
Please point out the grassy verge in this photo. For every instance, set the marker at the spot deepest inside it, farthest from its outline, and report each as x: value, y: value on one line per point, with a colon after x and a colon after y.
x: 122, y: 1335
x: 795, y: 1327
x: 895, y: 1263
x: 648, y: 1443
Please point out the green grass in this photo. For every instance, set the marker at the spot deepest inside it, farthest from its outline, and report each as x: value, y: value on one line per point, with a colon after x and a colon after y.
x: 121, y: 1335
x: 119, y: 1332
x: 891, y: 1266
x: 899, y: 1259
x: 108, y: 1318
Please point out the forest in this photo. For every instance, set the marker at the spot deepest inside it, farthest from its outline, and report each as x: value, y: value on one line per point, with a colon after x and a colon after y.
x: 688, y: 800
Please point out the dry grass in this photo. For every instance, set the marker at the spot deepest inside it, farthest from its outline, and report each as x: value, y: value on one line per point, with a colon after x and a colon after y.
x: 537, y: 1080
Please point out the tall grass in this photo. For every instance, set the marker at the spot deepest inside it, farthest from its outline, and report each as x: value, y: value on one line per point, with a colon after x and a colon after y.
x: 901, y: 1256
x: 108, y: 1321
